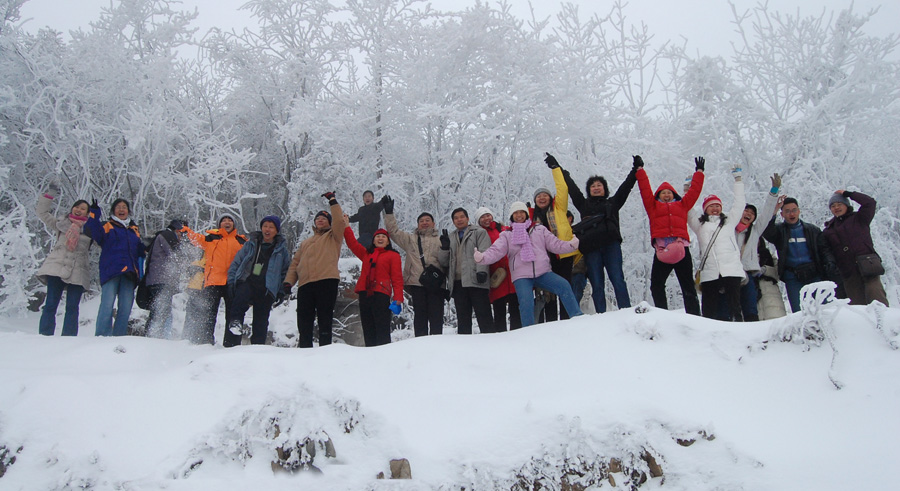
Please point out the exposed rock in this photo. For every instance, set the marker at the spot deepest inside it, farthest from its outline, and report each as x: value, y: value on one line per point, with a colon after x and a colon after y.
x: 655, y: 469
x: 6, y: 459
x: 380, y: 475
x: 400, y: 469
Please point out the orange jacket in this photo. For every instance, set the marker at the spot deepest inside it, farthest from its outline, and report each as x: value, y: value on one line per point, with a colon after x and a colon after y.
x: 219, y: 249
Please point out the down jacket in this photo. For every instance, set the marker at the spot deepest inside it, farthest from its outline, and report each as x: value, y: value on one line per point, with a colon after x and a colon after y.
x: 724, y: 256
x: 388, y: 272
x: 317, y: 257
x: 72, y: 267
x: 431, y: 249
x: 506, y: 286
x: 556, y: 213
x: 219, y: 248
x: 122, y: 246
x: 473, y: 238
x: 279, y: 261
x: 749, y: 242
x: 849, y: 235
x: 604, y: 209
x: 542, y: 242
x: 668, y: 219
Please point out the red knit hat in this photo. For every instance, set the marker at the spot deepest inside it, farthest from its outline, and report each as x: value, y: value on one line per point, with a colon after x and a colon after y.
x: 381, y: 231
x: 710, y: 200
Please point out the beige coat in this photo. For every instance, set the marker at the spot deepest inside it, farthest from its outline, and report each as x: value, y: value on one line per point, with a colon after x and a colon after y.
x: 431, y: 247
x: 72, y: 267
x: 317, y: 257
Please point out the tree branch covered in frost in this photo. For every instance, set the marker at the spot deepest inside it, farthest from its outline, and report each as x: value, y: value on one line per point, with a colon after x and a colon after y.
x: 438, y: 109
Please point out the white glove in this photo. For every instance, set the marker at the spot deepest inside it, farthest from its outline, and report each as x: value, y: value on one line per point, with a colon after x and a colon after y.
x: 479, y: 256
x: 736, y: 172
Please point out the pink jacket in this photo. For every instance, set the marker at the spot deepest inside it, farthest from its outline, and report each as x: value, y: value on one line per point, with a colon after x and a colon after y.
x: 542, y: 241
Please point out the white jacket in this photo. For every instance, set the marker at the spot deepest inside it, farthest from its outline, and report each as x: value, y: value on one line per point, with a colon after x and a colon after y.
x: 747, y: 243
x: 724, y: 256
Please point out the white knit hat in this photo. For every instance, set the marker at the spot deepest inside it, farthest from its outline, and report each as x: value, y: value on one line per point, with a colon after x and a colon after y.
x: 517, y: 206
x: 480, y: 212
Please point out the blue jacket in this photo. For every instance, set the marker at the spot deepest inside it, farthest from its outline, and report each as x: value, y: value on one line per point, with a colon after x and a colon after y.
x: 242, y: 264
x: 122, y: 246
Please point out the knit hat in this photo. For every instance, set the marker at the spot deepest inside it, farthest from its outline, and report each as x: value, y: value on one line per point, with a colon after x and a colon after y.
x: 480, y: 212
x: 541, y: 190
x: 274, y: 220
x: 325, y: 214
x: 383, y: 232
x: 839, y: 198
x: 711, y: 200
x: 425, y: 214
x: 175, y: 224
x: 517, y: 206
x: 224, y: 217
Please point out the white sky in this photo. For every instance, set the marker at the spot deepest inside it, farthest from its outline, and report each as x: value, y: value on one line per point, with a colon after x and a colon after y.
x: 705, y: 23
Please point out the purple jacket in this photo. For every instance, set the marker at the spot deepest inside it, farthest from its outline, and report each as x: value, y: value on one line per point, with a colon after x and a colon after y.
x: 849, y: 235
x: 542, y: 241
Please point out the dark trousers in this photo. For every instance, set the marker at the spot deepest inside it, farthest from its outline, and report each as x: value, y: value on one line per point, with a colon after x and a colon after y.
x: 502, y: 305
x: 246, y: 296
x: 375, y: 318
x: 659, y: 273
x: 428, y: 310
x: 315, y: 302
x: 468, y: 299
x: 213, y: 295
x: 722, y: 290
x: 159, y: 322
x: 553, y: 309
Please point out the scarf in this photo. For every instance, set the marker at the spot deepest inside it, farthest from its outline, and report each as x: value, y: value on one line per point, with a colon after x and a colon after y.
x: 74, y: 231
x: 520, y: 237
x: 740, y: 227
x: 373, y: 261
x: 123, y: 222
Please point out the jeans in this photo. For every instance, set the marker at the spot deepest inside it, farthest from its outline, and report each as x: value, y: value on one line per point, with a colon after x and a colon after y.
x: 551, y: 282
x: 749, y: 297
x: 610, y: 258
x: 578, y: 282
x: 792, y: 286
x: 55, y: 287
x: 248, y: 295
x: 121, y: 287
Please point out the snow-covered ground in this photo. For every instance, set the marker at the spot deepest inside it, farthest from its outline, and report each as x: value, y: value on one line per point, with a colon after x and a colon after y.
x: 479, y: 412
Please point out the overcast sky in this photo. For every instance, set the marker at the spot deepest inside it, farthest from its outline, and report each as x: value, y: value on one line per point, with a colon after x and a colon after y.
x: 705, y: 23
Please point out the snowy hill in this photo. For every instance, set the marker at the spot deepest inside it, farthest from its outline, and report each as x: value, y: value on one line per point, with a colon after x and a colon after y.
x: 500, y: 411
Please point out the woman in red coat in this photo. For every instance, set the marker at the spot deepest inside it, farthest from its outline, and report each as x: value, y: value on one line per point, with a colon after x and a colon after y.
x: 503, y: 294
x: 669, y: 235
x: 380, y: 279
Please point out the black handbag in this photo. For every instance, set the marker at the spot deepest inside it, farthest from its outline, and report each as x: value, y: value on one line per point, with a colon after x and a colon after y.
x: 432, y: 278
x: 869, y: 265
x: 142, y: 296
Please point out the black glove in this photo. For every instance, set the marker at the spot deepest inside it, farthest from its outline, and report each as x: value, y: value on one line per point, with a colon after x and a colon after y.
x: 330, y: 197
x: 700, y: 163
x: 286, y: 289
x: 387, y: 204
x: 638, y: 162
x: 212, y: 237
x: 481, y: 277
x: 445, y: 240
x: 94, y: 205
x: 551, y: 161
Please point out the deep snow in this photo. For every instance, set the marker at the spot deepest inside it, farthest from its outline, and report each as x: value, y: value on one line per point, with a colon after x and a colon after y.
x: 135, y: 413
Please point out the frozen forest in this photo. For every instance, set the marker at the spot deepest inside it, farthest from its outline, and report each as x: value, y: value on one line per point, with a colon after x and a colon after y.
x: 437, y: 109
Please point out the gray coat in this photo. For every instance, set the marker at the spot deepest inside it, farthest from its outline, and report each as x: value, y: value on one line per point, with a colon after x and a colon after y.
x: 72, y: 267
x: 473, y: 237
x: 431, y: 247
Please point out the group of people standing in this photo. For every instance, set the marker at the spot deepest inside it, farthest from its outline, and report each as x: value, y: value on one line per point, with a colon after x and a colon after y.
x: 523, y: 272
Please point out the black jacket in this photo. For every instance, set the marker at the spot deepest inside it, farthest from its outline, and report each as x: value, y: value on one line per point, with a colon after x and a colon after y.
x: 599, y: 224
x: 819, y: 250
x: 368, y: 217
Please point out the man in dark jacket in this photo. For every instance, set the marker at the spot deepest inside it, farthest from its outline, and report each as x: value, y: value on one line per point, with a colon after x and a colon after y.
x: 468, y: 281
x: 598, y: 231
x: 804, y: 256
x: 369, y: 217
x: 255, y: 278
x: 163, y: 272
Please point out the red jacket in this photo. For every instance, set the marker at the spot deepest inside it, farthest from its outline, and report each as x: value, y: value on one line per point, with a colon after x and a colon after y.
x: 388, y: 273
x: 669, y: 219
x: 506, y: 287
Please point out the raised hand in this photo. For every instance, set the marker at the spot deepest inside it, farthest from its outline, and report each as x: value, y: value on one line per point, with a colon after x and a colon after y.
x: 551, y: 161
x: 638, y: 162
x: 387, y: 204
x: 445, y: 240
x: 700, y: 164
